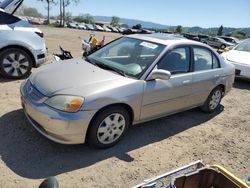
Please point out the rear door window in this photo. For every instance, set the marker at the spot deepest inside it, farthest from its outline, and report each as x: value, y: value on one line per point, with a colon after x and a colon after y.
x: 204, y: 59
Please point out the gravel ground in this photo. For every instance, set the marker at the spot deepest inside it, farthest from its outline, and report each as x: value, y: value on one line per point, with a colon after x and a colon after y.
x: 149, y: 149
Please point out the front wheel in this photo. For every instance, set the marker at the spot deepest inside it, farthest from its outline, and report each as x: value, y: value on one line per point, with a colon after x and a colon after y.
x: 108, y: 127
x: 15, y: 63
x: 213, y: 100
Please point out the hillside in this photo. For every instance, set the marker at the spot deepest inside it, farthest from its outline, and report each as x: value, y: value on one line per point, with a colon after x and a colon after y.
x: 196, y: 29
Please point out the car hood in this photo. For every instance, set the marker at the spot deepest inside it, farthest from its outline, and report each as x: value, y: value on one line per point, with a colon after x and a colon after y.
x: 238, y: 56
x: 75, y: 77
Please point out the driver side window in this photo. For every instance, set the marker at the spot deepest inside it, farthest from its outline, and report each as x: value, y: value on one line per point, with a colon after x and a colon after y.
x: 176, y: 61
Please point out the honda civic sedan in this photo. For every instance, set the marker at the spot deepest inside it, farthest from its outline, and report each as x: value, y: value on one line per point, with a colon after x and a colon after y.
x: 134, y: 79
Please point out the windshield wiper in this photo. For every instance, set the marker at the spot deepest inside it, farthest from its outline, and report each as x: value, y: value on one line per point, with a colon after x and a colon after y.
x: 105, y: 66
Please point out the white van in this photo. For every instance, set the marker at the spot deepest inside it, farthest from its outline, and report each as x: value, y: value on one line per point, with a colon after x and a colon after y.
x: 22, y: 46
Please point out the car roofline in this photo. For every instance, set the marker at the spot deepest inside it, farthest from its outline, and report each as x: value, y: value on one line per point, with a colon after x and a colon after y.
x: 173, y: 40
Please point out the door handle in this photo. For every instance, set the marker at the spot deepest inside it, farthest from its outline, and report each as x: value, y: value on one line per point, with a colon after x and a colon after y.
x: 186, y: 82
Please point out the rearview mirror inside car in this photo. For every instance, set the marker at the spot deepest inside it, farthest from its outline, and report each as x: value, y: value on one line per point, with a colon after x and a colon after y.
x: 159, y: 74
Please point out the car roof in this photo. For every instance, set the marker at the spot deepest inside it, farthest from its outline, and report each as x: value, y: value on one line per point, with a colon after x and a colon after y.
x: 165, y: 39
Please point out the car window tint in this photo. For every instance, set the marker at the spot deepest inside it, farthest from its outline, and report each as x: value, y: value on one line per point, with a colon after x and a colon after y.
x: 202, y: 59
x: 176, y: 61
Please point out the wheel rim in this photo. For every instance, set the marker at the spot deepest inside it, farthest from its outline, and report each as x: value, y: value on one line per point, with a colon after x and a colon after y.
x: 111, y: 128
x: 215, y: 100
x: 15, y: 64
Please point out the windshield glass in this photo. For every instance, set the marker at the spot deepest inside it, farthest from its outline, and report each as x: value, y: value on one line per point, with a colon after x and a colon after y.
x: 10, y: 5
x: 244, y: 46
x: 128, y: 55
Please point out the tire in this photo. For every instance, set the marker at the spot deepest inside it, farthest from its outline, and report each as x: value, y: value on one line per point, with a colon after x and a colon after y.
x: 223, y: 46
x: 104, y: 126
x: 213, y: 101
x: 15, y: 63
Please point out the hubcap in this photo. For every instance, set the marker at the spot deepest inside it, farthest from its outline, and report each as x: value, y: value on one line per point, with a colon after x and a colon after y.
x: 111, y: 128
x: 215, y: 99
x: 15, y: 64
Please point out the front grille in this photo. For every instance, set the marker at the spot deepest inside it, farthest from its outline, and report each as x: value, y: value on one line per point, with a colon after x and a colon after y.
x: 32, y: 93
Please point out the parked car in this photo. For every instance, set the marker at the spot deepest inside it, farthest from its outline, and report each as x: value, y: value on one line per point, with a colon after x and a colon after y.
x: 90, y: 27
x: 113, y: 29
x: 22, y: 46
x: 106, y: 28
x: 82, y: 26
x: 130, y: 31
x: 191, y: 36
x: 230, y: 39
x: 133, y: 79
x: 202, y: 37
x: 98, y: 27
x: 217, y: 42
x: 72, y: 25
x: 239, y: 56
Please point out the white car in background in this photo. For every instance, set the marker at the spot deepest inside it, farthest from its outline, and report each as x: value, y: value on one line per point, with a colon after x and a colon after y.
x: 239, y: 56
x: 22, y: 46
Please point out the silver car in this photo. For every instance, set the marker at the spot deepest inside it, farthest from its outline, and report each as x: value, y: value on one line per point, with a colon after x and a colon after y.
x: 134, y: 79
x: 217, y: 42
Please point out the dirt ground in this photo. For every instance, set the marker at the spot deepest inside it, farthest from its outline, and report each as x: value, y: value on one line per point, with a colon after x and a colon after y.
x: 149, y: 149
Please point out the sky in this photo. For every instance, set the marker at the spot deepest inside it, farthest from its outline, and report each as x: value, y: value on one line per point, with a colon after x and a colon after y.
x: 203, y: 13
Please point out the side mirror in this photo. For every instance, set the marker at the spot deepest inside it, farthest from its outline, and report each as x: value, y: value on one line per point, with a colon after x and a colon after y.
x: 49, y: 183
x: 159, y: 74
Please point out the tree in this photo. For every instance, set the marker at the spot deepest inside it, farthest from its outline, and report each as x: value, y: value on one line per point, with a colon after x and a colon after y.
x: 79, y: 18
x: 63, y: 4
x: 239, y: 34
x: 220, y: 31
x: 137, y: 26
x: 49, y: 2
x: 115, y: 21
x: 89, y: 19
x: 178, y: 29
x: 68, y: 16
x: 32, y: 12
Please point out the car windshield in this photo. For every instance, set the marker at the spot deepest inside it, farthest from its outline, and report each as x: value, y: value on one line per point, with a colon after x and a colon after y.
x: 130, y: 56
x: 10, y: 5
x: 244, y: 46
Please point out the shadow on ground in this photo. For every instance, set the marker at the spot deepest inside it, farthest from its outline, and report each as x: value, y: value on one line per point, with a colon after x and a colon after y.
x: 242, y: 84
x: 30, y: 155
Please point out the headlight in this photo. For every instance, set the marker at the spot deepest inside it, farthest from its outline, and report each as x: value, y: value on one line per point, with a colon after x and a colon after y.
x: 65, y: 103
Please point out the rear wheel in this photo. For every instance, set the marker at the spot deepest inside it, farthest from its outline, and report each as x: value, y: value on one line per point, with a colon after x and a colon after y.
x: 213, y: 100
x: 108, y: 127
x: 15, y: 63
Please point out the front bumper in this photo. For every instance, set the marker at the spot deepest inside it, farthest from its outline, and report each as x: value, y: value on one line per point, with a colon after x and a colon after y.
x: 58, y: 126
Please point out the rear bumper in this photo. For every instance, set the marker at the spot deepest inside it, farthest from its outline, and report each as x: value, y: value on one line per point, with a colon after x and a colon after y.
x: 242, y: 70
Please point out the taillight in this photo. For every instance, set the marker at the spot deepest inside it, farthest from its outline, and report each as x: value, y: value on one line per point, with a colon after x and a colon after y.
x: 40, y: 34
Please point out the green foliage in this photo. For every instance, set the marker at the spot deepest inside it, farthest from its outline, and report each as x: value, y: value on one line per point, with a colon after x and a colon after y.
x: 68, y: 16
x: 80, y: 18
x: 115, y: 21
x: 220, y: 31
x: 32, y: 12
x: 89, y: 19
x: 137, y: 26
x: 178, y: 29
x: 239, y: 35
